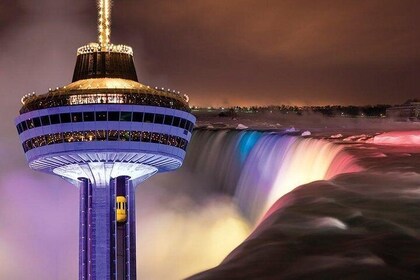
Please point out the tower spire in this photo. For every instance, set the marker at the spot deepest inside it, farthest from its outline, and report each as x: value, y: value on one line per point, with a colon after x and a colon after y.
x: 104, y: 24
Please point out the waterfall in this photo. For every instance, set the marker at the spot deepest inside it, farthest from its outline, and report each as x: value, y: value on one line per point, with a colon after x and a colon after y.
x: 257, y: 168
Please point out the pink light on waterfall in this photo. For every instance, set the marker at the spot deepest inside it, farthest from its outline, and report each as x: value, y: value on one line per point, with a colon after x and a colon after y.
x: 279, y: 164
x: 398, y: 138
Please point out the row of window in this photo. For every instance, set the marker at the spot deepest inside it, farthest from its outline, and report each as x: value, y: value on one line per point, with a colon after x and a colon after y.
x: 105, y: 116
x: 132, y: 97
x: 105, y: 135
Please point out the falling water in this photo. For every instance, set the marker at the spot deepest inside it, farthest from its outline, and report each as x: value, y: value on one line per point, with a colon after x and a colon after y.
x: 220, y: 155
x: 358, y: 225
x: 258, y: 168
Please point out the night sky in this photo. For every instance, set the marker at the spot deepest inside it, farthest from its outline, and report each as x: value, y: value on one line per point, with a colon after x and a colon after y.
x: 223, y: 53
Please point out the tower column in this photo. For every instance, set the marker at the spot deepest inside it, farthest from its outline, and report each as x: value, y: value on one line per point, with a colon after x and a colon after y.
x: 83, y: 230
x: 126, y: 233
x: 130, y: 230
x: 101, y: 222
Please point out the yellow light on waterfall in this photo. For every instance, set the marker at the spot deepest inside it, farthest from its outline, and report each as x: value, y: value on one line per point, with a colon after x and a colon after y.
x: 305, y: 163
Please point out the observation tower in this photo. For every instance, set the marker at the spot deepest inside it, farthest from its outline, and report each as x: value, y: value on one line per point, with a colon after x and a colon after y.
x: 105, y: 133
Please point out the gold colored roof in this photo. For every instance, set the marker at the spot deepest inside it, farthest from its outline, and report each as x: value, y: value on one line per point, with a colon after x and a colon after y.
x: 98, y: 86
x: 105, y: 83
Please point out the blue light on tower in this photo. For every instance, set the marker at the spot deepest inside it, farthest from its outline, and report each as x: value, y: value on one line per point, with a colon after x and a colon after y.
x: 105, y: 132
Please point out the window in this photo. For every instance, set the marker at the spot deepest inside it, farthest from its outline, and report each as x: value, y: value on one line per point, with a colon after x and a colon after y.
x: 79, y: 136
x: 159, y: 118
x: 54, y: 138
x: 35, y: 142
x: 89, y: 135
x: 173, y: 141
x: 113, y: 116
x: 68, y: 137
x: 101, y: 135
x: 155, y: 137
x: 164, y: 139
x: 101, y: 116
x: 125, y: 116
x: 37, y: 122
x: 41, y: 141
x: 191, y: 126
x: 125, y: 135
x: 136, y: 136
x: 145, y: 136
x: 45, y: 120
x: 137, y: 117
x: 65, y: 118
x: 88, y: 116
x: 29, y: 144
x: 113, y: 135
x: 168, y: 120
x: 104, y: 116
x: 176, y: 121
x: 148, y: 117
x: 188, y: 126
x: 24, y: 126
x: 181, y: 143
x: 30, y: 124
x: 76, y: 117
x: 183, y: 121
x: 19, y: 129
x: 55, y: 119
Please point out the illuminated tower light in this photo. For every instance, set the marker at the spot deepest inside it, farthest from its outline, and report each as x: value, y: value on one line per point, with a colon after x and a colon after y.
x: 105, y: 133
x: 104, y: 24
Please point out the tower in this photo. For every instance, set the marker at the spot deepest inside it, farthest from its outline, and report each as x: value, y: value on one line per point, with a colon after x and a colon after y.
x: 105, y: 133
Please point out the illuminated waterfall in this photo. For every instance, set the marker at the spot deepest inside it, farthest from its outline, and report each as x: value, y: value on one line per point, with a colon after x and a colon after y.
x: 258, y: 168
x: 278, y: 164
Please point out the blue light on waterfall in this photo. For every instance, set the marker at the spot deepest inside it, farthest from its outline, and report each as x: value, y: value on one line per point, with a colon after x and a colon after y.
x: 247, y: 142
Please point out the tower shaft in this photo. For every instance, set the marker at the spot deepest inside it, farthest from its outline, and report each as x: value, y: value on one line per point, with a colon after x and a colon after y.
x: 107, y: 247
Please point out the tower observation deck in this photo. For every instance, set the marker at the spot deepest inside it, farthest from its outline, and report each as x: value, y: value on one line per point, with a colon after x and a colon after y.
x: 105, y: 133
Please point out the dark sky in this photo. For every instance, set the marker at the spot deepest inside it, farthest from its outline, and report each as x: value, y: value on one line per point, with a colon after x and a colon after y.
x: 233, y: 52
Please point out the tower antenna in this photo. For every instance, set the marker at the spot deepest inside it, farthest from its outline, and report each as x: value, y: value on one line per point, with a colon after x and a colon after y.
x: 104, y: 24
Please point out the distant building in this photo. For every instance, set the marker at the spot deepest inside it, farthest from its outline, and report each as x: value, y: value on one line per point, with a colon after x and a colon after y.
x: 410, y: 110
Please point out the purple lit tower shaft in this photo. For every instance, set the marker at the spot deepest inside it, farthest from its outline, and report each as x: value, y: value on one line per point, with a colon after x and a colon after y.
x: 108, y: 244
x: 105, y: 133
